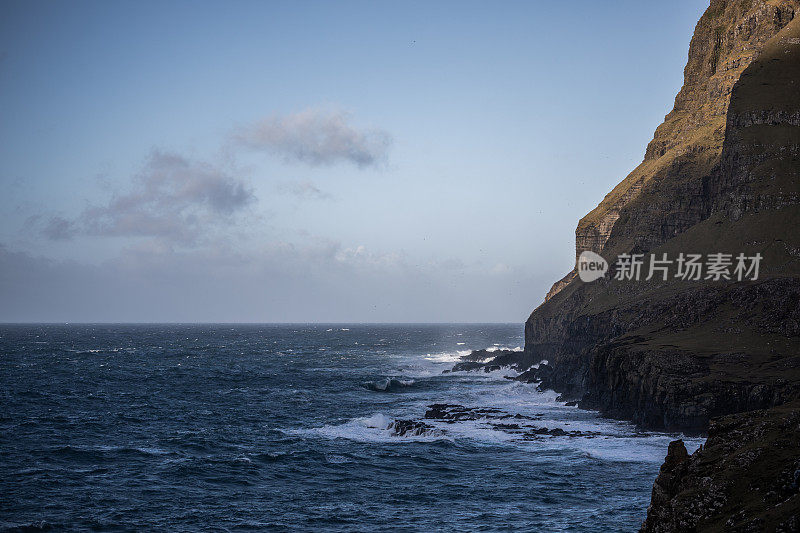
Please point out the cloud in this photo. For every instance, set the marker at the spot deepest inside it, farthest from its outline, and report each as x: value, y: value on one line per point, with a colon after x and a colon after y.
x: 317, y: 138
x: 59, y: 229
x: 171, y: 198
x: 271, y: 282
x: 304, y: 190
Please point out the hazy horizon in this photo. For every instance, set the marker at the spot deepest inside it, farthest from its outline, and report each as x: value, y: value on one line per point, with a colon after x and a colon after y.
x: 260, y: 323
x: 315, y: 163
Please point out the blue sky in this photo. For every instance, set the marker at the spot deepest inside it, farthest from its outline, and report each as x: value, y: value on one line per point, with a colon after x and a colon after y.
x: 315, y: 161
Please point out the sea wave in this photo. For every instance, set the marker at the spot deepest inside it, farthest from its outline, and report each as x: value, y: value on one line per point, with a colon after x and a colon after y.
x: 389, y: 385
x: 374, y: 428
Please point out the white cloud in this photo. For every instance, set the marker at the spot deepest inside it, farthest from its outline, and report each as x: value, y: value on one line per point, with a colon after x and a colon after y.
x: 317, y: 138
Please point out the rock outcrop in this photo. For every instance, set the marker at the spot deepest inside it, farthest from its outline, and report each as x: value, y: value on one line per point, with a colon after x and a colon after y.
x: 745, y: 478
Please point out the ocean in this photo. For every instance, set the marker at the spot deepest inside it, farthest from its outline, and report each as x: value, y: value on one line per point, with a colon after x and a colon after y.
x: 294, y: 428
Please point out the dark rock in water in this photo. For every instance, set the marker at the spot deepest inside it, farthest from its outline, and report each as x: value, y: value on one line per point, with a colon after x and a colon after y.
x: 467, y: 366
x: 507, y: 427
x: 452, y: 412
x: 439, y: 410
x: 480, y: 356
x: 571, y: 404
x: 456, y: 413
x: 410, y: 428
x: 538, y: 432
x: 541, y: 373
x: 489, y: 361
x: 745, y: 478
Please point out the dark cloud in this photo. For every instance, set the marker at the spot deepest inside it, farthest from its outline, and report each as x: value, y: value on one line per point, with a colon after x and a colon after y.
x: 317, y: 138
x: 172, y: 198
x: 59, y: 229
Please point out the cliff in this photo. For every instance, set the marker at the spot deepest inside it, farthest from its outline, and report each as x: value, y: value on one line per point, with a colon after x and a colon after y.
x: 720, y: 176
x: 726, y: 40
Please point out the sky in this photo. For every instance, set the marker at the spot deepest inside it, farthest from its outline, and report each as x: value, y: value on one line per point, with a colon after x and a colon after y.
x: 315, y: 161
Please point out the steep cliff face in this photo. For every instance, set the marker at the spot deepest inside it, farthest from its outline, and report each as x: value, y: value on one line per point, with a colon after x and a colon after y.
x: 722, y: 176
x: 726, y: 40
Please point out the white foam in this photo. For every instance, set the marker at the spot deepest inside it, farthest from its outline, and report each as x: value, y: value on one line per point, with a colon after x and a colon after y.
x: 378, y: 421
x: 374, y: 428
x: 446, y: 357
x: 610, y: 440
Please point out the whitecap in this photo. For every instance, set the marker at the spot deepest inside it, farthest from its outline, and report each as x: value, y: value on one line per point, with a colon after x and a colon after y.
x: 389, y: 384
x: 374, y: 428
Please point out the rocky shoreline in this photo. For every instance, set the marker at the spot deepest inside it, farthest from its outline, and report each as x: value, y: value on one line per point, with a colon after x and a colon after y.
x: 746, y: 477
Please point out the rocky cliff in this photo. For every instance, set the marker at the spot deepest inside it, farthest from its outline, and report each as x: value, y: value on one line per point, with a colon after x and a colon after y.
x: 726, y: 40
x: 721, y: 175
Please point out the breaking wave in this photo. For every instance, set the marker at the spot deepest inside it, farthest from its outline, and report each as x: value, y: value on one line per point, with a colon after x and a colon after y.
x: 389, y: 385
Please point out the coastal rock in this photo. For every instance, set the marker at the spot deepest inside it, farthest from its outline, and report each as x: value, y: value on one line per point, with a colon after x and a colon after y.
x: 745, y: 478
x: 489, y: 361
x: 541, y: 373
x: 410, y: 428
x: 522, y: 426
x: 456, y: 413
x: 467, y: 366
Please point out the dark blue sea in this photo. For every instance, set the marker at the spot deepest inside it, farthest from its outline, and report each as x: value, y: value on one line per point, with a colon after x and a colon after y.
x: 292, y: 427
